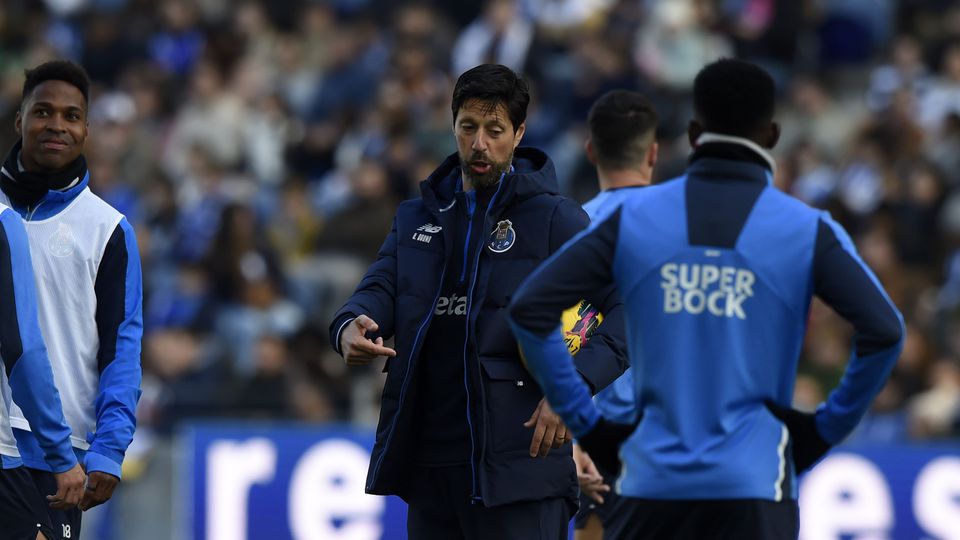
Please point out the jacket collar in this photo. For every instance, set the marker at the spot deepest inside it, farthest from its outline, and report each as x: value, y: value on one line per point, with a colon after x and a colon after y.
x: 53, y: 202
x: 532, y: 174
x: 717, y: 154
x: 65, y: 196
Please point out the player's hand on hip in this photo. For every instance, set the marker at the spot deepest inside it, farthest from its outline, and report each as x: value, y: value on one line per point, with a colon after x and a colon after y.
x: 69, y: 488
x: 358, y: 349
x: 589, y: 478
x: 549, y: 430
x: 808, y: 445
x: 99, y: 489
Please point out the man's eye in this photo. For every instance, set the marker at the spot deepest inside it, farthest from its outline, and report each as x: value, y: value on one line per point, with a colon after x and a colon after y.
x: 40, y: 113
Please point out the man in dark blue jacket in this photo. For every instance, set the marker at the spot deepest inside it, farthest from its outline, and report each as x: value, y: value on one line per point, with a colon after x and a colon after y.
x: 465, y: 434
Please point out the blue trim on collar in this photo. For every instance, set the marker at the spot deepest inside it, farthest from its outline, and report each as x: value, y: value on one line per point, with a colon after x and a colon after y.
x: 729, y: 169
x: 54, y: 202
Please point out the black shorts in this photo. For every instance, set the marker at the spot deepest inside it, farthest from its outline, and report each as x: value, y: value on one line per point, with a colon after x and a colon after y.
x: 23, y: 510
x: 733, y: 519
x: 66, y: 524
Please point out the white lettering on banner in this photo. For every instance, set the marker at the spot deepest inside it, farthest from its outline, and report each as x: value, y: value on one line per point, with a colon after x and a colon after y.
x: 233, y: 467
x: 935, y: 498
x: 845, y: 495
x: 321, y: 487
x: 452, y: 305
x: 328, y: 486
x: 696, y: 288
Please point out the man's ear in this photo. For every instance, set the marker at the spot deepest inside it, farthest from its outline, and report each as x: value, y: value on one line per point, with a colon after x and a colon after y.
x: 519, y: 135
x: 773, y: 135
x: 652, y: 154
x: 18, y: 125
x: 694, y: 131
x: 588, y: 148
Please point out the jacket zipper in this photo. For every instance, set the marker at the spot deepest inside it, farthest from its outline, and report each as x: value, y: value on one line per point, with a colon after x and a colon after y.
x: 470, y: 197
x: 30, y: 213
x: 475, y: 496
x: 406, y: 378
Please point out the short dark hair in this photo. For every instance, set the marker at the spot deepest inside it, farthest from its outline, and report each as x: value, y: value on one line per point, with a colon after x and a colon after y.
x: 56, y: 70
x: 493, y: 84
x: 622, y: 125
x: 733, y: 97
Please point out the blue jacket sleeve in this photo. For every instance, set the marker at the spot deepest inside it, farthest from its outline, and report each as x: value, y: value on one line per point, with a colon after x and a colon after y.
x: 618, y: 402
x: 847, y: 285
x: 604, y: 357
x: 119, y: 319
x: 374, y: 296
x: 584, y: 264
x: 24, y: 353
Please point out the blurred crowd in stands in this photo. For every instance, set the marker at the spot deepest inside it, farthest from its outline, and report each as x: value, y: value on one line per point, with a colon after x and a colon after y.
x: 261, y: 147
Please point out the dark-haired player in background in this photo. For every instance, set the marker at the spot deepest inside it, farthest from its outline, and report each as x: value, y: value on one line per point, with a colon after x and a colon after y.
x: 717, y: 270
x: 622, y: 146
x: 465, y: 435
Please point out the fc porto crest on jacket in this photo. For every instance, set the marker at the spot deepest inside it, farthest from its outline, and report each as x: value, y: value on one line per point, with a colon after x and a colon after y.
x: 502, y: 237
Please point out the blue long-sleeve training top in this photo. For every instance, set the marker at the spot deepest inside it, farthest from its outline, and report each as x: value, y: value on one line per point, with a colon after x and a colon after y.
x: 716, y: 270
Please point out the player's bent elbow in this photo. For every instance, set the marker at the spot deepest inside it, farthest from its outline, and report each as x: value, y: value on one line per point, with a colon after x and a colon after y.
x: 523, y: 313
x: 516, y: 312
x: 895, y: 330
x: 887, y: 332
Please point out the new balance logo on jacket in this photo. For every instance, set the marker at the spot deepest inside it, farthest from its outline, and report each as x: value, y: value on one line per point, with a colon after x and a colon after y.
x: 426, y: 228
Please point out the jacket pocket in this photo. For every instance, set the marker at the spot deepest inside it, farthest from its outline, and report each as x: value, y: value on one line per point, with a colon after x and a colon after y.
x: 512, y: 396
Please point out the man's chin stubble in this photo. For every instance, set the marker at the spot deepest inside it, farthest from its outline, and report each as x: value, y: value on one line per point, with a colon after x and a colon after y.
x: 483, y: 181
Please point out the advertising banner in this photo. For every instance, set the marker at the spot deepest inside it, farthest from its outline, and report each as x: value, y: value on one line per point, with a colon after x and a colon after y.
x: 290, y: 482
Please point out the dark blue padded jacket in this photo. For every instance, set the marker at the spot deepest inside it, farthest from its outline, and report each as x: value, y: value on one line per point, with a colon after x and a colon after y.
x: 400, y: 291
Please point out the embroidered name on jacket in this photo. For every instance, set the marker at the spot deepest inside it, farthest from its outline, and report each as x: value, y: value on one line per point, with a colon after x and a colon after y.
x: 426, y: 228
x: 705, y: 288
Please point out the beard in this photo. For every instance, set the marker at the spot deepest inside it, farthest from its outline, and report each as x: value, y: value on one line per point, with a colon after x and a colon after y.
x: 483, y: 180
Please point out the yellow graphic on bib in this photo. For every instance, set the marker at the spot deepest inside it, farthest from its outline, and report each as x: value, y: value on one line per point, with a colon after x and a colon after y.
x: 578, y: 324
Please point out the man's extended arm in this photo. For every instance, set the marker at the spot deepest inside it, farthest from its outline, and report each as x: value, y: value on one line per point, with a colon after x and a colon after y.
x: 374, y: 297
